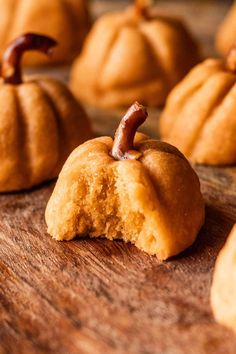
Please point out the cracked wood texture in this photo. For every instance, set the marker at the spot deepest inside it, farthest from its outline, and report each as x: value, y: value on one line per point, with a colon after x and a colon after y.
x: 97, y: 296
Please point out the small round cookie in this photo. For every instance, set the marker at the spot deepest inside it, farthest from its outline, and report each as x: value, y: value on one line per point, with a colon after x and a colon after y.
x: 40, y: 120
x: 226, y: 35
x: 199, y: 117
x: 136, y: 54
x: 65, y: 20
x: 223, y: 290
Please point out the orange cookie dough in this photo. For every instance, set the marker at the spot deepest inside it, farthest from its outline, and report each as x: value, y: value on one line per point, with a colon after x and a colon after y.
x: 226, y: 35
x: 135, y: 54
x: 223, y: 291
x: 65, y: 20
x: 199, y: 117
x: 40, y: 121
x: 140, y: 190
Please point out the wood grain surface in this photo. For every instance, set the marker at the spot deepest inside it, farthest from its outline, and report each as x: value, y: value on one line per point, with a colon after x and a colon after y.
x: 103, y: 297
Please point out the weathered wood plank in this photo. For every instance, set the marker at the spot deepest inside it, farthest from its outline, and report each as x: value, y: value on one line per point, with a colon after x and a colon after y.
x: 96, y: 296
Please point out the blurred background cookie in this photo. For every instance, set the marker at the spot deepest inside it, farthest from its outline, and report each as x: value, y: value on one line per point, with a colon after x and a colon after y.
x: 67, y: 21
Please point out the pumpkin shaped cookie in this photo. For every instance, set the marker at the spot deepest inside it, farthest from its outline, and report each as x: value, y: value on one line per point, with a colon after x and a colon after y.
x: 134, y: 54
x: 226, y: 35
x: 65, y: 20
x: 140, y: 190
x: 40, y: 121
x: 223, y: 291
x: 199, y: 117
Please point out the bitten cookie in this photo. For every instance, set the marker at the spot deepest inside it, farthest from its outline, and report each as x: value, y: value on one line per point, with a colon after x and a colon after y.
x: 140, y: 190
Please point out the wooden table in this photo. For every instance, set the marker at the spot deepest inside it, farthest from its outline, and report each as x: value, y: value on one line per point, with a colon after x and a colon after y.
x: 102, y: 297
